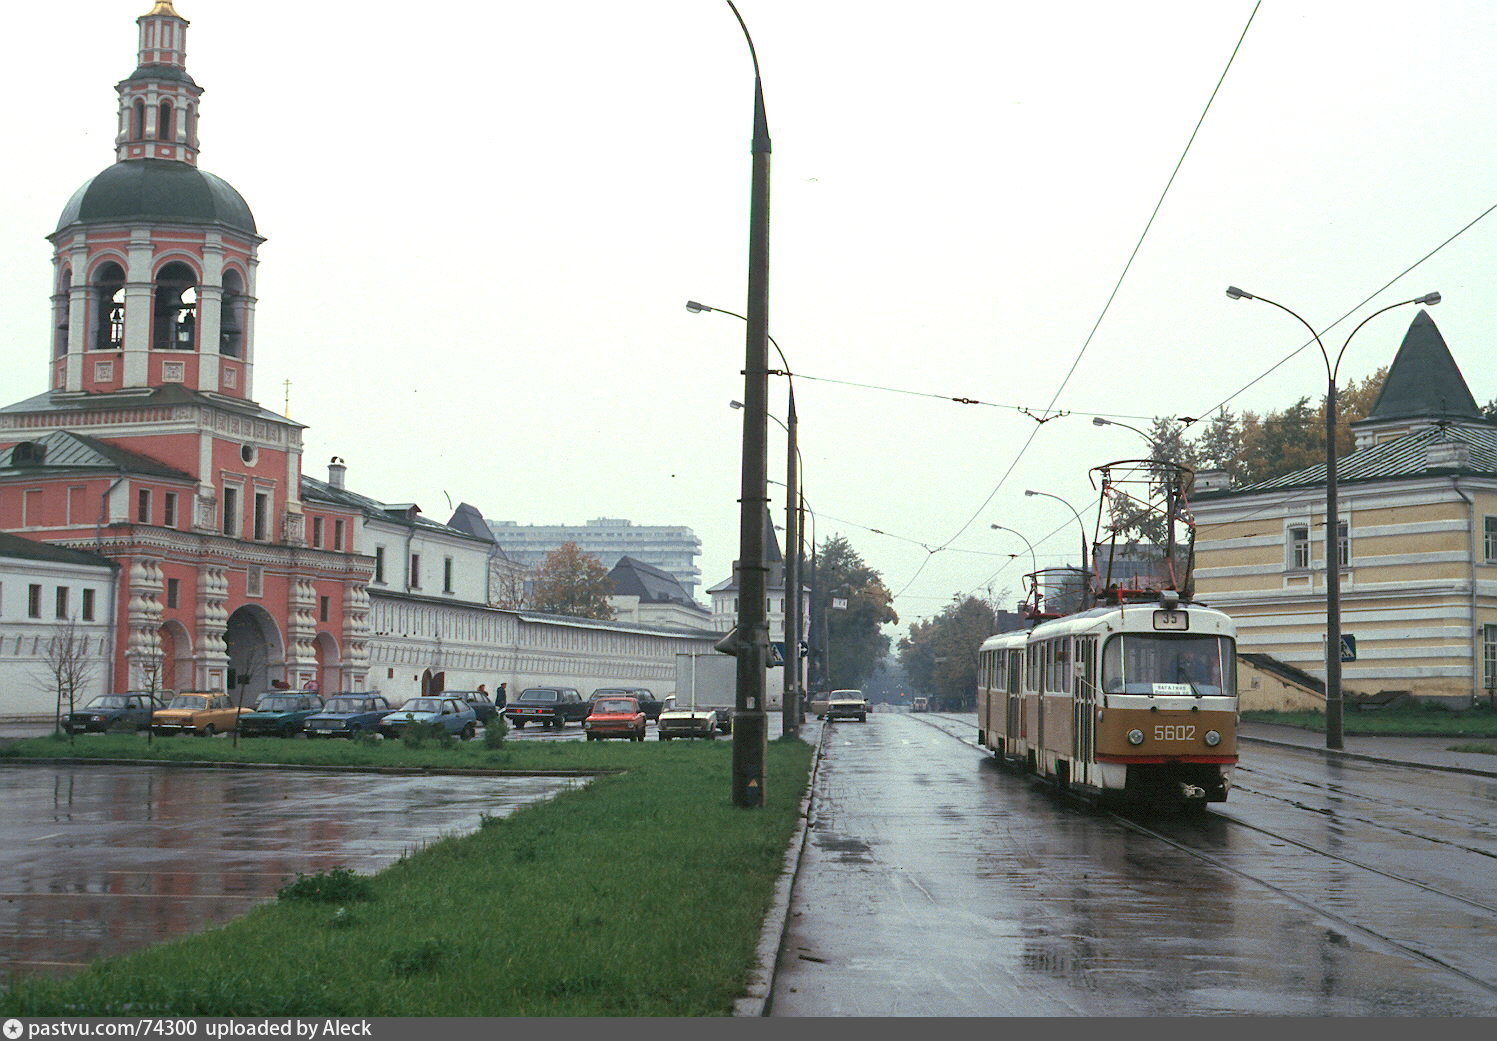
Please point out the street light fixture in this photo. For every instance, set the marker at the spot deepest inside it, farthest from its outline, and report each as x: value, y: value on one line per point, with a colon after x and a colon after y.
x: 1098, y: 421
x: 1334, y: 703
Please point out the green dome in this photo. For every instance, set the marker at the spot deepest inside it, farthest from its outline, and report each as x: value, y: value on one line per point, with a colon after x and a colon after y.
x: 157, y: 189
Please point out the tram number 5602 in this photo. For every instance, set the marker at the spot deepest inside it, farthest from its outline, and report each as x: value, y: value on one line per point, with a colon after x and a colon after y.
x: 1175, y: 732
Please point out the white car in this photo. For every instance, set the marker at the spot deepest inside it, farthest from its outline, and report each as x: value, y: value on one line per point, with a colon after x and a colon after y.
x: 688, y: 722
x: 847, y: 704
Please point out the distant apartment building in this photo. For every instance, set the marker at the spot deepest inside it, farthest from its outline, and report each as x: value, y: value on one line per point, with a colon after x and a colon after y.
x: 672, y: 549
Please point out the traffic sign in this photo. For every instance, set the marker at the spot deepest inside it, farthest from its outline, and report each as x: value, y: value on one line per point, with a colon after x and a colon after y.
x: 1348, y: 647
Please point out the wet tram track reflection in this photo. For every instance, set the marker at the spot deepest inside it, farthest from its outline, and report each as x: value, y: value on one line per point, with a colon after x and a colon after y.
x: 1398, y: 857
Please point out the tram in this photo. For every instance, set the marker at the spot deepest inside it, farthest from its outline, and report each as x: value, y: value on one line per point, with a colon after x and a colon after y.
x: 1129, y: 698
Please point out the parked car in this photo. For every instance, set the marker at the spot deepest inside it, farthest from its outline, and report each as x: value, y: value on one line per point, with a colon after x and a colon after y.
x: 688, y: 722
x: 818, y: 703
x: 280, y: 714
x: 128, y: 711
x: 451, y: 713
x: 348, y: 714
x: 197, y: 712
x: 553, y: 706
x: 847, y: 704
x: 618, y: 716
x: 648, y: 702
x: 483, y: 706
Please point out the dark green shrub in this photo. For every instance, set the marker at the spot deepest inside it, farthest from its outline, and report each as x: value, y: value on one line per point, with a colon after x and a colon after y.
x: 338, y: 886
x: 495, y: 732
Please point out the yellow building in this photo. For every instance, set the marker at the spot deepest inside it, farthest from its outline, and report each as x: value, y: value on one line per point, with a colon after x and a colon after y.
x: 1418, y: 544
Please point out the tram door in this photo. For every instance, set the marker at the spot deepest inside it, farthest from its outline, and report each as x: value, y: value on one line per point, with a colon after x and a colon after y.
x: 1084, y: 719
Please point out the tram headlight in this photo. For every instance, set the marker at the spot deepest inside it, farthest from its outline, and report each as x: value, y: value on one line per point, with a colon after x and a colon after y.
x: 1213, y: 738
x: 1135, y: 737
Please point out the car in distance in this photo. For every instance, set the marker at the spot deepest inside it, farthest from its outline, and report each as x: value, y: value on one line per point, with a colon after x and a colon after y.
x: 452, y: 714
x: 197, y: 712
x: 688, y: 722
x: 618, y: 716
x: 348, y: 714
x: 847, y: 704
x: 818, y: 702
x: 128, y: 711
x: 280, y: 714
x: 483, y: 705
x: 920, y: 705
x: 649, y: 704
x: 553, y: 706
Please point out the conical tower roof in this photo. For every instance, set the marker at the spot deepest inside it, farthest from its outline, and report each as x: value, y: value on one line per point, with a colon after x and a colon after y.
x: 1424, y: 380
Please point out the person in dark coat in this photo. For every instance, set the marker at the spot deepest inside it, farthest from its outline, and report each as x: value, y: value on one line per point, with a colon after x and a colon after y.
x: 501, y: 696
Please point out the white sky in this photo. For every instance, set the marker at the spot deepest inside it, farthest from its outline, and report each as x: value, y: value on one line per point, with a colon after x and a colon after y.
x: 484, y: 220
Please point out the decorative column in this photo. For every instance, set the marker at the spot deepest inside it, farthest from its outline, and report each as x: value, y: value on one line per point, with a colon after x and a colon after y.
x: 210, y: 644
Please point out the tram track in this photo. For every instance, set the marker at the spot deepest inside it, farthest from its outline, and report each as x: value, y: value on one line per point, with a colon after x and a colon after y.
x: 1479, y: 915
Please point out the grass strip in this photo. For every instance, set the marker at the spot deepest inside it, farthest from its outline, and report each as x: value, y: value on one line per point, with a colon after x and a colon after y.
x: 1415, y: 721
x: 642, y: 894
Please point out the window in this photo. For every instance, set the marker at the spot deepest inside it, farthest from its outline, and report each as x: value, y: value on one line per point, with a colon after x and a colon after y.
x: 379, y: 564
x: 143, y: 506
x: 317, y: 525
x: 415, y: 576
x: 231, y: 510
x: 169, y: 509
x: 109, y: 307
x: 1489, y: 656
x: 34, y: 601
x: 447, y: 575
x: 62, y: 601
x: 1489, y: 539
x: 262, y: 516
x: 1299, y: 546
x: 323, y: 608
x: 175, y: 318
x: 338, y: 534
x: 88, y: 605
x: 173, y: 591
x: 1343, y: 545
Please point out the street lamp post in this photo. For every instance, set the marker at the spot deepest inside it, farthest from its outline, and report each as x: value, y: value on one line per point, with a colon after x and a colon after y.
x: 1334, y: 703
x: 1033, y: 560
x: 789, y: 719
x: 1079, y: 523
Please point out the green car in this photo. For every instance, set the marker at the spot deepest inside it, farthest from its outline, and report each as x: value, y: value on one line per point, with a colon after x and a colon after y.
x: 280, y: 714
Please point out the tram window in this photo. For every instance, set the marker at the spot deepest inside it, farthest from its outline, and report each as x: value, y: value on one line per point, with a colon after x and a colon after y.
x: 1134, y: 663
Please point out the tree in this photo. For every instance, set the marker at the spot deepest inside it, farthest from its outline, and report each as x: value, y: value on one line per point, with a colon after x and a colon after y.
x: 940, y: 655
x: 69, y: 666
x: 856, y: 642
x: 571, y: 582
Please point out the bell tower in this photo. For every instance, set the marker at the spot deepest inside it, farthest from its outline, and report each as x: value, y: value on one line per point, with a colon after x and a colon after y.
x: 154, y: 259
x: 159, y: 101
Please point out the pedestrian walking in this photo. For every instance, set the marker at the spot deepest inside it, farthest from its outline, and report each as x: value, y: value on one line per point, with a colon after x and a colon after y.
x: 501, y: 696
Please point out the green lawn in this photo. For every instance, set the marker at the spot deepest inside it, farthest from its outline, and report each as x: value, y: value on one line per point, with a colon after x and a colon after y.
x: 641, y: 895
x: 1408, y: 722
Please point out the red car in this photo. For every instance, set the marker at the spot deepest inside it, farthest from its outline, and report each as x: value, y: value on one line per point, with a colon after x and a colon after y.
x: 615, y: 717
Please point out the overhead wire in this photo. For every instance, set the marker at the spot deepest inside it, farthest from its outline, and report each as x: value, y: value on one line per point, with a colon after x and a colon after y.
x: 1106, y: 307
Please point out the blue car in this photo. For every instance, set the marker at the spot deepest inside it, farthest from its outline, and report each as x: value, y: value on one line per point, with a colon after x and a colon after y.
x: 348, y: 715
x: 128, y: 711
x: 280, y: 714
x: 452, y: 714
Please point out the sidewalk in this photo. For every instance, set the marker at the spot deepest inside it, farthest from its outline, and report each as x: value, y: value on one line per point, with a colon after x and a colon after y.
x: 1432, y: 752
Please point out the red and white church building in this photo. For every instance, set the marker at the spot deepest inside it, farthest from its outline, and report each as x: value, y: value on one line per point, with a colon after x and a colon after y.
x: 149, y: 448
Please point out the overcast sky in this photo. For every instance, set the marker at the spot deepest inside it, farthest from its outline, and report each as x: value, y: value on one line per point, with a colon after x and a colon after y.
x: 484, y: 220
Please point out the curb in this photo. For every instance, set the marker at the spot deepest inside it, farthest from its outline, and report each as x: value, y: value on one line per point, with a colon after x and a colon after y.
x: 1362, y: 756
x: 755, y: 1000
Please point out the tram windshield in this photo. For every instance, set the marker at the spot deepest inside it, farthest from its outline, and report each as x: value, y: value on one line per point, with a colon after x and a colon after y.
x: 1138, y: 663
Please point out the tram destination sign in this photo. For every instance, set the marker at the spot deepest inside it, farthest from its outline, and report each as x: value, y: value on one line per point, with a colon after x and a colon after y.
x: 1172, y: 621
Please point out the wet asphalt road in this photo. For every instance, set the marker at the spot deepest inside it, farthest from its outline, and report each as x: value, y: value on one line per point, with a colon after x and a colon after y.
x: 935, y: 884
x: 100, y: 860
